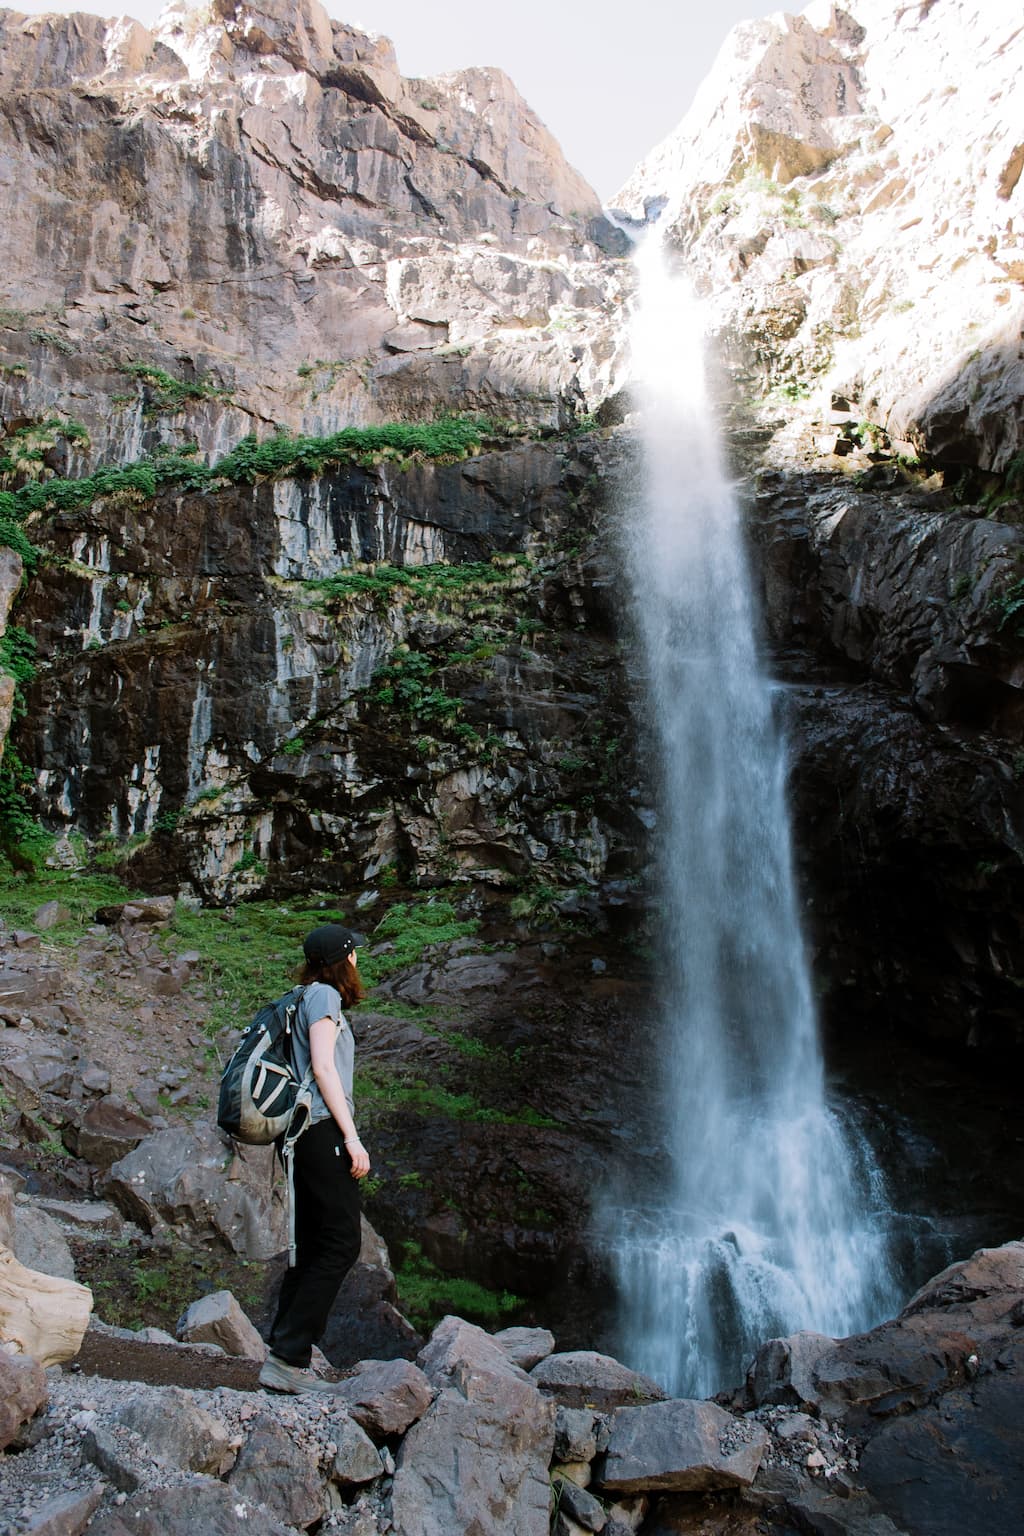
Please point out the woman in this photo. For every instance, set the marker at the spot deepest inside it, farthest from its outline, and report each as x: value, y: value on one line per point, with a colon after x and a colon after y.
x: 329, y: 1161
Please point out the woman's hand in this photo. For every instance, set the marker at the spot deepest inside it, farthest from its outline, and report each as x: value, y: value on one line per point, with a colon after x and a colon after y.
x: 359, y: 1155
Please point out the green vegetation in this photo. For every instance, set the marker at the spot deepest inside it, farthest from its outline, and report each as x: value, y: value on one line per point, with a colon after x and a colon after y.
x: 19, y: 830
x: 411, y: 927
x: 381, y: 1090
x: 426, y: 1295
x: 135, y: 1288
x: 452, y: 437
x: 426, y: 584
x: 21, y: 895
x: 166, y: 393
x: 1008, y: 606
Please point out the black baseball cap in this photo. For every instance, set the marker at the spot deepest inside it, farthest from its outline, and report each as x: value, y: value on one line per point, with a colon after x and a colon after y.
x: 330, y: 943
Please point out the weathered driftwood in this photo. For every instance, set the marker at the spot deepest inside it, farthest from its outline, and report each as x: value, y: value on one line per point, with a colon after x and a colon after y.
x: 43, y: 1315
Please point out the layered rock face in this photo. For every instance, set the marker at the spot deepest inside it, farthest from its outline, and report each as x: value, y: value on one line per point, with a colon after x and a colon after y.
x: 847, y: 191
x: 252, y: 202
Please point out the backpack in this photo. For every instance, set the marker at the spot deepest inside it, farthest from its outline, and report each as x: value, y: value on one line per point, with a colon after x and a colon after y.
x: 260, y: 1093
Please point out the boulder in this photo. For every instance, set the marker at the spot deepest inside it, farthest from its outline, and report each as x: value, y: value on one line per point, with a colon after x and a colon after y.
x: 956, y: 1468
x: 22, y: 1392
x: 276, y: 1470
x: 487, y: 1414
x: 385, y: 1396
x: 356, y: 1458
x: 578, y: 1505
x: 680, y: 1445
x: 175, y: 1430
x: 575, y: 1434
x: 45, y: 1316
x: 65, y: 1514
x: 39, y: 1242
x: 525, y: 1347
x: 49, y: 915
x: 582, y: 1378
x: 218, y: 1319
x: 196, y: 1180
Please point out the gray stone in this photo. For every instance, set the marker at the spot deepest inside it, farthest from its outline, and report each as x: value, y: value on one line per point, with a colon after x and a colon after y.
x: 10, y: 1183
x: 275, y: 1470
x: 95, y: 1079
x: 23, y: 1392
x: 356, y: 1459
x: 175, y: 1429
x: 582, y: 1378
x: 49, y: 915
x: 385, y: 1396
x: 575, y: 1434
x: 218, y: 1319
x: 680, y: 1445
x: 579, y: 1505
x: 193, y: 1179
x: 525, y: 1347
x: 487, y: 1414
x: 117, y: 1455
x: 66, y: 1514
x: 39, y: 1242
x: 200, y: 1508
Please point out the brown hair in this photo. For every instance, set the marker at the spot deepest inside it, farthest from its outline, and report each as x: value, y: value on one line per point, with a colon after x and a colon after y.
x: 343, y: 976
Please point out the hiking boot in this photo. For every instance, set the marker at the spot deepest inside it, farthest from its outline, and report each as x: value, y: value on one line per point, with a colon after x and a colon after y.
x: 278, y: 1376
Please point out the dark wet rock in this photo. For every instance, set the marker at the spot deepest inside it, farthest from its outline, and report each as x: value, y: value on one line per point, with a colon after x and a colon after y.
x: 956, y: 1468
x: 576, y: 1504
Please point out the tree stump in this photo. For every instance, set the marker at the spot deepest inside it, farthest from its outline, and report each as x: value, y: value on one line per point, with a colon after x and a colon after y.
x: 46, y: 1317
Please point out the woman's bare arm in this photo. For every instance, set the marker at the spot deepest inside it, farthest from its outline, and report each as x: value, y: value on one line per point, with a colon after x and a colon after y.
x: 321, y: 1049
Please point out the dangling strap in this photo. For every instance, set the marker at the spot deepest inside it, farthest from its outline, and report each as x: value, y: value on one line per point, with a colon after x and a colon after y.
x: 299, y: 1122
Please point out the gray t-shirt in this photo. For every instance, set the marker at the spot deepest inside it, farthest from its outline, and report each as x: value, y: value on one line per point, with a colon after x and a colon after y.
x: 320, y: 1001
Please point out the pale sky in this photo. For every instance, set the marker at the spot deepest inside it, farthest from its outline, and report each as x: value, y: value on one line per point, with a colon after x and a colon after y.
x: 609, y: 81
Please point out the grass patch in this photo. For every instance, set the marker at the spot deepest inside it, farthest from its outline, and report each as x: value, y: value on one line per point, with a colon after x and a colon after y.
x: 21, y: 896
x: 137, y: 1288
x: 426, y: 1294
x: 411, y: 927
x: 379, y: 1090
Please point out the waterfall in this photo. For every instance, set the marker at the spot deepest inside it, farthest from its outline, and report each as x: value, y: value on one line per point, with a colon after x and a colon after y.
x: 769, y: 1217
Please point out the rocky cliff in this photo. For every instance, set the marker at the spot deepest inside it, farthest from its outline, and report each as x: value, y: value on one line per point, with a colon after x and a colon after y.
x: 248, y: 217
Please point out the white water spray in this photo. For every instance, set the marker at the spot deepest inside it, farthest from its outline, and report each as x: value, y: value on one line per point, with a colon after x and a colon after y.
x: 768, y: 1220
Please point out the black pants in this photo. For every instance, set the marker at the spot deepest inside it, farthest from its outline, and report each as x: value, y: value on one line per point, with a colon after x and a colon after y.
x: 327, y: 1241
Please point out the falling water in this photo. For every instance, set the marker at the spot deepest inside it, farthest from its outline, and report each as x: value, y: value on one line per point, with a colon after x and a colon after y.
x: 771, y: 1216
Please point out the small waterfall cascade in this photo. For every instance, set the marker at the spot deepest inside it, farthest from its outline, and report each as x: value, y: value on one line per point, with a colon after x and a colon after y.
x: 771, y: 1214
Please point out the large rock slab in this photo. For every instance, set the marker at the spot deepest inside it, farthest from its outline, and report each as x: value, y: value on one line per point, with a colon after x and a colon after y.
x: 196, y: 1180
x: 582, y: 1378
x: 680, y: 1446
x: 185, y: 1510
x: 487, y: 1414
x: 956, y: 1469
